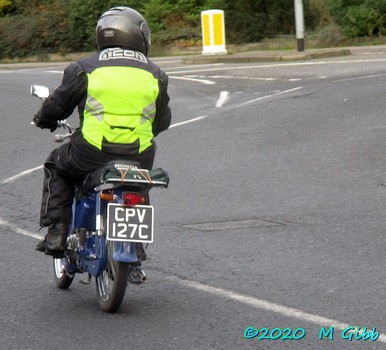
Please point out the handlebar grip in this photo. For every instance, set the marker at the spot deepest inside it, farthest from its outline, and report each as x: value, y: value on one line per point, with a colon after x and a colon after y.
x: 60, y: 138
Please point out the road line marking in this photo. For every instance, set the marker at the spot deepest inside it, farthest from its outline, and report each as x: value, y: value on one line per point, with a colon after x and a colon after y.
x: 193, y: 66
x: 232, y: 77
x: 23, y: 70
x: 314, y: 63
x: 266, y: 305
x: 273, y: 95
x: 204, y: 81
x: 362, y: 77
x: 224, y: 96
x: 29, y: 171
x: 187, y: 121
x: 23, y: 173
x: 16, y: 229
x: 227, y: 294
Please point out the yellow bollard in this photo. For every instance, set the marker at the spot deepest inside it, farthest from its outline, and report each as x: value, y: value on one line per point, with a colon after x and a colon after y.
x: 213, y: 32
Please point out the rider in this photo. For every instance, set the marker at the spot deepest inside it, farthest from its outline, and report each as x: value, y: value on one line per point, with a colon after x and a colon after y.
x: 123, y: 104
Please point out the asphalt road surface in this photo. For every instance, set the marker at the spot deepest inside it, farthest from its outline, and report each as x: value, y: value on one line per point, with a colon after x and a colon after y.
x: 274, y: 218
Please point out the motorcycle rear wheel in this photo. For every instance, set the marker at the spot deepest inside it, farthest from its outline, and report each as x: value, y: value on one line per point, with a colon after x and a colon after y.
x: 111, y: 284
x: 62, y: 279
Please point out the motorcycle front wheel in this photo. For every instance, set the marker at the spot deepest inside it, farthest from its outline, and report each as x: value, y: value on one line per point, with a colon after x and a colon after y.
x: 62, y: 279
x: 111, y: 284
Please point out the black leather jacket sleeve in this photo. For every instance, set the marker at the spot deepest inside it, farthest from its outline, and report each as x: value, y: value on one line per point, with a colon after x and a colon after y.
x: 163, y: 114
x: 69, y: 94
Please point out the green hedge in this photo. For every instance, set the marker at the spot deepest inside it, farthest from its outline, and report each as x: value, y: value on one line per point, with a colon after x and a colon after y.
x: 33, y: 27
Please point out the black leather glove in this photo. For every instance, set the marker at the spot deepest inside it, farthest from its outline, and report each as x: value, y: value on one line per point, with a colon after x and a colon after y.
x: 44, y: 125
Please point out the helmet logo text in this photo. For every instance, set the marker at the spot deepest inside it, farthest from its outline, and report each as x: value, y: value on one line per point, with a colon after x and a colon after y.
x: 108, y: 33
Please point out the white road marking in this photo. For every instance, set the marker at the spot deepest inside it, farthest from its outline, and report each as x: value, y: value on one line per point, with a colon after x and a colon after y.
x: 362, y: 77
x: 222, y: 99
x: 266, y: 305
x: 17, y: 229
x: 204, y: 81
x: 247, y: 300
x: 250, y: 301
x: 199, y: 69
x: 192, y: 66
x: 30, y: 171
x: 224, y: 96
x: 187, y: 121
x: 273, y: 95
x: 277, y: 65
x: 23, y: 173
x: 256, y: 303
x: 23, y: 70
x: 232, y: 77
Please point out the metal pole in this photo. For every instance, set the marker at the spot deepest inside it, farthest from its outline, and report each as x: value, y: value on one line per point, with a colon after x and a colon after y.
x: 299, y: 17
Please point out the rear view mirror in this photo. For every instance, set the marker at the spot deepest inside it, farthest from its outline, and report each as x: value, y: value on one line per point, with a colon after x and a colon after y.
x: 40, y: 91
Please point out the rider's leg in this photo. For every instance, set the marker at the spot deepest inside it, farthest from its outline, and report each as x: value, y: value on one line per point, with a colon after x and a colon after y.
x: 58, y: 193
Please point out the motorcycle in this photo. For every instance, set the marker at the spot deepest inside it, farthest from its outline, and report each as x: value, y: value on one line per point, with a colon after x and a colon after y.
x: 110, y: 217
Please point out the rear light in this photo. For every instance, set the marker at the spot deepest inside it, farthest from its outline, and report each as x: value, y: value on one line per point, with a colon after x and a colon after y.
x: 130, y: 198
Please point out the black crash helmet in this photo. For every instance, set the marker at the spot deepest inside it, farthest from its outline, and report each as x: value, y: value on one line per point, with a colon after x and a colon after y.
x: 123, y: 27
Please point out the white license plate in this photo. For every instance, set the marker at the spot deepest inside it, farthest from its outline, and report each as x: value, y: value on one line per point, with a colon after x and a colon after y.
x: 130, y: 223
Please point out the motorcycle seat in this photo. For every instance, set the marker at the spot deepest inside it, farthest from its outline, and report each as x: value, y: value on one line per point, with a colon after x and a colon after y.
x: 118, y: 171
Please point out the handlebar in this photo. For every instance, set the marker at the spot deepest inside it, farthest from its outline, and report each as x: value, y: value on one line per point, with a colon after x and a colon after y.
x: 61, y: 137
x: 64, y: 125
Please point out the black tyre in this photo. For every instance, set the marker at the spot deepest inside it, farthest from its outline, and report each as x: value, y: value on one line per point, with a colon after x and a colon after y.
x: 62, y: 279
x: 111, y: 284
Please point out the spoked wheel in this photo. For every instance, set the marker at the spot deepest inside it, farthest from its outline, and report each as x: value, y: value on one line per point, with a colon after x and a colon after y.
x: 111, y: 284
x: 62, y: 279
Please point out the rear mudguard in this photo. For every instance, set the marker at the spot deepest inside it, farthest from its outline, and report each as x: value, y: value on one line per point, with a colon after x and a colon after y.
x: 125, y: 252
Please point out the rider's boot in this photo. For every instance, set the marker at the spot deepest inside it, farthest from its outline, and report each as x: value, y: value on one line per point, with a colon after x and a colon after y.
x: 54, y: 243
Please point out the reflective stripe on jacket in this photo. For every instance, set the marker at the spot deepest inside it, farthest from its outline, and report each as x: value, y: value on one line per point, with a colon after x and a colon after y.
x: 124, y: 115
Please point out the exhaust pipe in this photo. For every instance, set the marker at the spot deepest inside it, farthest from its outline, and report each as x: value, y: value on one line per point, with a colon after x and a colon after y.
x: 136, y: 275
